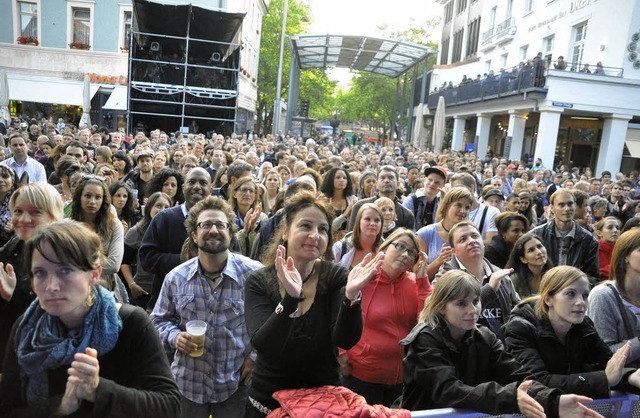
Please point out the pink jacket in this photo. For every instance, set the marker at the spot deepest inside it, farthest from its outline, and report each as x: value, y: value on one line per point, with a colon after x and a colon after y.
x: 329, y: 402
x: 389, y: 312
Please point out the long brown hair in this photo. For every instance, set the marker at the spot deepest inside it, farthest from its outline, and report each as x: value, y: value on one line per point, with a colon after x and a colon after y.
x: 294, y: 205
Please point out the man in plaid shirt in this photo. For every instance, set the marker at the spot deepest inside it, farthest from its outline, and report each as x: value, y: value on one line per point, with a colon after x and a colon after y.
x: 210, y: 288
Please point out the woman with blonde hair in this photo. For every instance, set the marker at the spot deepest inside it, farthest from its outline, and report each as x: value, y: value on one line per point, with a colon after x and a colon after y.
x: 454, y: 207
x: 32, y: 207
x: 552, y: 337
x: 452, y: 362
x: 388, y: 209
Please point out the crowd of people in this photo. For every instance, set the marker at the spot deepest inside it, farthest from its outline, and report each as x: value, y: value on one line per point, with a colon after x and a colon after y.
x: 398, y: 277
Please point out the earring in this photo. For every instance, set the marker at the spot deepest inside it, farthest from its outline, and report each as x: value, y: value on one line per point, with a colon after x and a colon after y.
x: 90, y: 300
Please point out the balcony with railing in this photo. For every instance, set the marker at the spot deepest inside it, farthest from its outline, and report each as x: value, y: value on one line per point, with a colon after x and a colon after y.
x: 487, y: 40
x: 528, y: 78
x: 505, y: 31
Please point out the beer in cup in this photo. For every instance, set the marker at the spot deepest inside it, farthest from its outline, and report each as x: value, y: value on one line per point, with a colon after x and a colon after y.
x: 197, y: 329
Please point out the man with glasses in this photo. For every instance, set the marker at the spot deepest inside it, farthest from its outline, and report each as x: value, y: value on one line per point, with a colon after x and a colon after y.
x: 217, y: 383
x: 162, y: 242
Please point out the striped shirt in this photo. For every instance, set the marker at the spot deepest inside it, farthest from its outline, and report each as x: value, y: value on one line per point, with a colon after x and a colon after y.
x: 187, y: 295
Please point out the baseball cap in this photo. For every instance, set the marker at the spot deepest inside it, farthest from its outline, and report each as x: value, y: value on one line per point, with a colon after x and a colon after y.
x: 493, y: 192
x: 145, y: 153
x: 511, y: 166
x: 436, y: 169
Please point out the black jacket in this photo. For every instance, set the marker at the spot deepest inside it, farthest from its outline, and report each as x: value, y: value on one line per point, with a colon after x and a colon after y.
x: 497, y: 251
x: 480, y: 375
x: 577, y: 366
x: 496, y: 305
x: 583, y: 250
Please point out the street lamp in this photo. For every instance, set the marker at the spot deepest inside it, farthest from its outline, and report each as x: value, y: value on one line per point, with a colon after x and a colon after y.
x: 277, y: 106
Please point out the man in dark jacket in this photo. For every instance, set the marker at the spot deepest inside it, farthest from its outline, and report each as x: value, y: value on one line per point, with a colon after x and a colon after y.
x: 387, y: 185
x: 567, y: 243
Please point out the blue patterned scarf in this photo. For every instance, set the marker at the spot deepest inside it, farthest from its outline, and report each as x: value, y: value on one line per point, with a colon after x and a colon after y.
x: 43, y: 344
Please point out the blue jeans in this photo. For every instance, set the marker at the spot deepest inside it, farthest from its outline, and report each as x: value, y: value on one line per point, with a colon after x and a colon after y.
x: 231, y: 408
x: 374, y: 393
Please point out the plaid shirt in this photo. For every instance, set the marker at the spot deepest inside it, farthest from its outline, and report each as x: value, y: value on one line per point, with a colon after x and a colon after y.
x: 187, y: 295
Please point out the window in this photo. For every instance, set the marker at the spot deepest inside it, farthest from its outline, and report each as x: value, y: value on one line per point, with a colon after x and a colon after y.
x: 492, y: 17
x: 509, y: 9
x: 487, y: 66
x: 579, y: 35
x: 547, y: 45
x: 524, y: 53
x: 456, y: 53
x: 528, y: 6
x: 448, y: 12
x: 28, y: 19
x: 126, y: 19
x: 474, y: 36
x: 444, y: 51
x: 462, y: 5
x: 503, y: 60
x: 81, y: 25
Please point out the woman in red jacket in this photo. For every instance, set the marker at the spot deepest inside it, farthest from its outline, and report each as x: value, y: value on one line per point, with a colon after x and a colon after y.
x: 607, y: 231
x: 391, y: 304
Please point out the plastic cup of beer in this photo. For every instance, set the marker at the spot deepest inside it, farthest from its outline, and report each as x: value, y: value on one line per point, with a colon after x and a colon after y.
x: 197, y: 329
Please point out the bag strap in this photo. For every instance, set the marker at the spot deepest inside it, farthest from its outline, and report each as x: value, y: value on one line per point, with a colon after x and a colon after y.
x: 623, y: 312
x: 484, y: 215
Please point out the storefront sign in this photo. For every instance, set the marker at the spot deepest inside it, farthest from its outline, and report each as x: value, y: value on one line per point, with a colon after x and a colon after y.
x: 108, y: 79
x: 579, y: 4
x: 562, y: 104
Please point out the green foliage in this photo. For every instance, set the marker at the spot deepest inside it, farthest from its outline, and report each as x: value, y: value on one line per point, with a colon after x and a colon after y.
x: 298, y: 19
x: 316, y: 86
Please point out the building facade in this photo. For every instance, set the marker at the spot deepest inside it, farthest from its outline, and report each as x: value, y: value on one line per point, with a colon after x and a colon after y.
x: 47, y: 46
x: 554, y: 79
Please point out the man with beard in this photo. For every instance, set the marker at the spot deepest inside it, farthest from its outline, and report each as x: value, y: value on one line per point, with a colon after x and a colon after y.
x: 387, y: 185
x: 210, y: 288
x: 138, y: 178
x: 162, y: 242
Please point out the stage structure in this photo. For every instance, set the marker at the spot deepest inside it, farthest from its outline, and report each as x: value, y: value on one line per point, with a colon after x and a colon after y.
x: 184, y: 64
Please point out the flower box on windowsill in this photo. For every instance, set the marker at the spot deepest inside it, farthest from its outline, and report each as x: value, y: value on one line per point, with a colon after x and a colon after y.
x: 79, y: 45
x: 28, y: 40
x: 124, y: 48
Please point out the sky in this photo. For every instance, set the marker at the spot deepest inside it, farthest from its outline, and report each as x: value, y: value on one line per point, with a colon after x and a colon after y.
x: 363, y: 17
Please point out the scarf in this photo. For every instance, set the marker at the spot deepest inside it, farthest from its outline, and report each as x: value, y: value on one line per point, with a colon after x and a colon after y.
x: 42, y: 344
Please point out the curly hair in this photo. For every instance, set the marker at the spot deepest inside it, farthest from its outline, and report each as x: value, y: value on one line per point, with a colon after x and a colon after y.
x: 327, y: 187
x: 157, y: 182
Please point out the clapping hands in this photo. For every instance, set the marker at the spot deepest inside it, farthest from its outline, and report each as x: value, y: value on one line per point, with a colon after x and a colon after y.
x: 362, y: 274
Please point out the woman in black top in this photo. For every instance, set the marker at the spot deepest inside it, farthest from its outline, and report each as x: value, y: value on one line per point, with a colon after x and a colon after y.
x: 300, y: 308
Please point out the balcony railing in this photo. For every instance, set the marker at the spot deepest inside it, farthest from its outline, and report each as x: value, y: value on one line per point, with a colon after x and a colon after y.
x: 506, y: 30
x: 517, y: 80
x: 487, y: 37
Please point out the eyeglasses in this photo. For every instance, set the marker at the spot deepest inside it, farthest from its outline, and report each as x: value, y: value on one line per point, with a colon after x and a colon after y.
x: 246, y: 190
x: 400, y: 247
x: 207, y: 225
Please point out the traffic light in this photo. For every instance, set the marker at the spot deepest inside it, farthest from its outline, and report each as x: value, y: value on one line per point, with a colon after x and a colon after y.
x: 304, y: 108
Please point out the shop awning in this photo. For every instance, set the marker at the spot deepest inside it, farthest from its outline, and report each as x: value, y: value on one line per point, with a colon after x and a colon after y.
x: 634, y: 148
x: 47, y: 90
x: 117, y: 100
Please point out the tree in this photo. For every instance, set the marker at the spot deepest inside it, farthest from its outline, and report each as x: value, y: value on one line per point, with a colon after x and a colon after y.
x: 298, y: 18
x: 371, y: 97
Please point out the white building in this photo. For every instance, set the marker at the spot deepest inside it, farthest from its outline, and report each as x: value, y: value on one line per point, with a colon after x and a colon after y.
x: 583, y: 119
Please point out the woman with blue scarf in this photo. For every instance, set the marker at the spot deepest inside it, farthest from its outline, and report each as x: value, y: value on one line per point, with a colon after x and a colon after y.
x: 75, y: 351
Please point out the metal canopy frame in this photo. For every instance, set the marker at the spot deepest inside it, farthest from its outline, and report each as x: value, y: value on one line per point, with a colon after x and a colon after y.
x: 380, y: 56
x: 386, y: 57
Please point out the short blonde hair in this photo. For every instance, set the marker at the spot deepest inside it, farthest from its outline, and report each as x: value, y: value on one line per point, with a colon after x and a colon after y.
x: 41, y: 195
x: 452, y: 285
